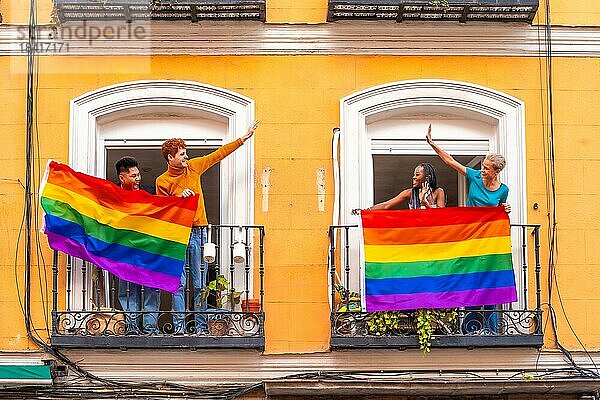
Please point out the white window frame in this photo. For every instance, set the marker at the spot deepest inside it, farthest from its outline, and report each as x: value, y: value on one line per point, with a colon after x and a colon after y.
x: 87, y: 145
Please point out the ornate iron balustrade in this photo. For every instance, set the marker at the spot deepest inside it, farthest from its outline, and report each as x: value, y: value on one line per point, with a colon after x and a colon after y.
x: 132, y: 10
x: 91, y: 308
x: 514, y: 324
x: 434, y: 10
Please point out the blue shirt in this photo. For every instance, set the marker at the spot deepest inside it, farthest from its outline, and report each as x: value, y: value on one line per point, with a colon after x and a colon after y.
x: 479, y: 195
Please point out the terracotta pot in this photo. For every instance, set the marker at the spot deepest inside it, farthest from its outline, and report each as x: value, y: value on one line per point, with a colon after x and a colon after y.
x: 252, y: 305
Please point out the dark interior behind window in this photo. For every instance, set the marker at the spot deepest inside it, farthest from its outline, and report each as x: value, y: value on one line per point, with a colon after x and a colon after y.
x: 152, y: 164
x: 393, y: 173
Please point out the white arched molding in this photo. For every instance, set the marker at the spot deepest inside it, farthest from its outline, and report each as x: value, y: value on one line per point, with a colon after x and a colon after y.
x: 238, y: 175
x: 419, y: 97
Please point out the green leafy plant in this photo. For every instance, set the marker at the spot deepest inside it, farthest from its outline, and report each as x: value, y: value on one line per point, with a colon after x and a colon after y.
x: 425, y: 321
x: 219, y: 287
x: 383, y: 323
x: 428, y: 319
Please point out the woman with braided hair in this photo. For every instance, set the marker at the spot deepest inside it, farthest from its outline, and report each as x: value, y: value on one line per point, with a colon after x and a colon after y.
x: 424, y: 193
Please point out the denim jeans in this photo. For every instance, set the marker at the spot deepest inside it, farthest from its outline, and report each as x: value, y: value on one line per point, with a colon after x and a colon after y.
x: 131, y: 302
x: 198, y: 271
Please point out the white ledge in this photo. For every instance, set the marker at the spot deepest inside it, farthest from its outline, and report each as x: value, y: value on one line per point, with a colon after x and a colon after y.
x: 348, y: 37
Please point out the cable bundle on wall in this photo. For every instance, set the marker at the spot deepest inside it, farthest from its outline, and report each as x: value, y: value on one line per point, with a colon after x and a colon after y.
x: 550, y: 170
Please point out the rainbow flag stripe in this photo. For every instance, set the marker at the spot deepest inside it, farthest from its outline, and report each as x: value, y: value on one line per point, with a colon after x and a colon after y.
x: 437, y: 258
x: 138, y: 237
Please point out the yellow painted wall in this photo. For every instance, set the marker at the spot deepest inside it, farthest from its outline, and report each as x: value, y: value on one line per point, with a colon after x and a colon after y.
x: 293, y: 11
x: 567, y: 12
x: 17, y: 11
x: 297, y: 101
x: 563, y: 12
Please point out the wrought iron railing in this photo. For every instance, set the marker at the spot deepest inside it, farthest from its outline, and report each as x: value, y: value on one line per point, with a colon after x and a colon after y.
x: 93, y: 308
x: 514, y: 324
x: 434, y: 10
x: 172, y: 10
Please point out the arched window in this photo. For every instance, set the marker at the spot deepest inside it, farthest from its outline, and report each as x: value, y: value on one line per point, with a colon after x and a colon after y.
x: 383, y: 138
x: 134, y: 118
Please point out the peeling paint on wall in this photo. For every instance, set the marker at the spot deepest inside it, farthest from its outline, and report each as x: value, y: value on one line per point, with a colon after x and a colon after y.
x: 321, y: 189
x: 265, y: 181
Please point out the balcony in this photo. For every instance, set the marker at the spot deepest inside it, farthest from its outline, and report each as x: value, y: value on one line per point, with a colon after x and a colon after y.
x: 515, y: 324
x: 434, y: 10
x: 88, y: 303
x: 140, y: 10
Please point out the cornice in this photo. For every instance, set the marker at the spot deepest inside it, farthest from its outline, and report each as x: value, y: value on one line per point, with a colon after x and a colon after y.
x: 254, y: 38
x: 229, y: 366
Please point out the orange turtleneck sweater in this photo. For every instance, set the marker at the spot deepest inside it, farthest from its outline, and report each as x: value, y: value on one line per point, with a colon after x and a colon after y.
x: 174, y: 180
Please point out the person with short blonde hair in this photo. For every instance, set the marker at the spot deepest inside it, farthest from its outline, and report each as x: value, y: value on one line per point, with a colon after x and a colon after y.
x: 485, y: 188
x: 497, y: 160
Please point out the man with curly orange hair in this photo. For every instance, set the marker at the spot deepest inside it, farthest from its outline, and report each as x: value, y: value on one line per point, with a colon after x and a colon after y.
x: 182, y: 179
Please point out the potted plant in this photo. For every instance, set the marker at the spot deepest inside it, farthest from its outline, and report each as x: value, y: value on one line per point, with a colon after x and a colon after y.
x: 219, y: 288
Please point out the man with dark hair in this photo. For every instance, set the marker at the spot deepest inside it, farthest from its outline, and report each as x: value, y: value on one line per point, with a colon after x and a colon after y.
x: 132, y: 295
x: 182, y: 179
x: 128, y: 173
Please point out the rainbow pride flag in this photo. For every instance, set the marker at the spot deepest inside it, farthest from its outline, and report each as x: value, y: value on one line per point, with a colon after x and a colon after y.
x: 139, y: 237
x: 437, y: 258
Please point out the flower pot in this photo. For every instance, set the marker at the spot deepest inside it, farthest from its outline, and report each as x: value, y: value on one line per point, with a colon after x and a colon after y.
x: 251, y: 305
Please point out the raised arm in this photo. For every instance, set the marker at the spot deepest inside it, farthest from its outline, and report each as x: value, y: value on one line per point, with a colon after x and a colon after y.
x: 207, y: 161
x: 446, y: 158
x: 250, y: 131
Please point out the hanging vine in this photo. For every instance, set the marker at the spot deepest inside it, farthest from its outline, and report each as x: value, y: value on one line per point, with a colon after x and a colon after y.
x: 428, y: 319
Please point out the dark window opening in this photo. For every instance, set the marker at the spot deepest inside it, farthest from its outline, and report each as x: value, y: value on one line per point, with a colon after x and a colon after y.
x: 393, y: 173
x: 152, y: 164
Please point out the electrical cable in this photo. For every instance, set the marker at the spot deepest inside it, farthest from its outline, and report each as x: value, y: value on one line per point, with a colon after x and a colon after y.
x: 16, y: 274
x: 551, y: 206
x: 542, y: 79
x: 41, y: 262
x: 31, y: 43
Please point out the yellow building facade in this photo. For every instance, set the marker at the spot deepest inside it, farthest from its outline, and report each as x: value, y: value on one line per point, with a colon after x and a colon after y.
x: 300, y: 75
